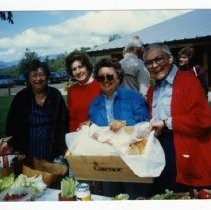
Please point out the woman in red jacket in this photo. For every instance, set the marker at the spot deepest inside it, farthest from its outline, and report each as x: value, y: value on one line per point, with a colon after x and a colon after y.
x: 83, y: 91
x: 181, y: 118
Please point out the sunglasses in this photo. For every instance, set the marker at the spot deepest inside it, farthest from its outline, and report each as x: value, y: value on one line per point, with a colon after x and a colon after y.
x: 108, y: 77
x: 158, y: 60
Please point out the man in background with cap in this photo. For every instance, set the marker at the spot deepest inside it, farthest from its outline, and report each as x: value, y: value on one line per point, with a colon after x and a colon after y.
x: 136, y: 75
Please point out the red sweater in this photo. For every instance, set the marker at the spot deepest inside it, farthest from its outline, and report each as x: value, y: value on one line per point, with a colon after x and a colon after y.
x: 79, y: 98
x: 191, y: 121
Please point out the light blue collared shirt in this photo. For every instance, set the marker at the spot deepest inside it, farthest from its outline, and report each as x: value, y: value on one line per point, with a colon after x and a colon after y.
x: 161, y: 106
x: 109, y: 107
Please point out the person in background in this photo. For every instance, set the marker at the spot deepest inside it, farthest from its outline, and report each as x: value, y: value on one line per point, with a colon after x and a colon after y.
x: 136, y: 75
x: 187, y: 63
x: 80, y: 94
x: 116, y: 107
x: 37, y: 118
x: 181, y: 118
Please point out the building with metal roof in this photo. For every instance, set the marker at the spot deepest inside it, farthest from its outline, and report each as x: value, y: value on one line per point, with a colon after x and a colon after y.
x: 190, y: 25
x: 190, y: 29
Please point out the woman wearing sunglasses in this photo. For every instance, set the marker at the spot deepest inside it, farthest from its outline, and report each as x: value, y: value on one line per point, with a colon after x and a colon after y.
x: 80, y: 94
x: 116, y: 107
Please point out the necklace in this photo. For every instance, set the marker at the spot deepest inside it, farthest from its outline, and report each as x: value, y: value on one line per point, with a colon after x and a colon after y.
x: 43, y: 99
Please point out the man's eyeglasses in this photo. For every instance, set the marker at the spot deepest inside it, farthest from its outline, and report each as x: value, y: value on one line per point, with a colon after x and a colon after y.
x: 158, y: 60
x: 108, y: 77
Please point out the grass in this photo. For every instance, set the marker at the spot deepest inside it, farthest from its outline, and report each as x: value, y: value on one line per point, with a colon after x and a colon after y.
x: 5, y: 102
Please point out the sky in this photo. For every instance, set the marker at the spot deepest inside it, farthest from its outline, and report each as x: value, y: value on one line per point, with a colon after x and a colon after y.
x: 54, y: 32
x: 50, y: 27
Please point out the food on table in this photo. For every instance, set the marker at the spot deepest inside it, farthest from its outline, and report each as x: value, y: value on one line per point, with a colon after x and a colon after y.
x: 121, y: 196
x: 68, y: 187
x: 204, y: 194
x: 13, y: 197
x: 171, y: 195
x: 16, y: 194
x: 6, y: 182
x: 35, y: 184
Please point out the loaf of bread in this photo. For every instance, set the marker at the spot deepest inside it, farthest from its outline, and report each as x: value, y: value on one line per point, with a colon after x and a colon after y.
x: 137, y: 147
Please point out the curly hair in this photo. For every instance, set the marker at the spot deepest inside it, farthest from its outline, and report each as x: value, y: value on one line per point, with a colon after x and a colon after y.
x: 34, y: 65
x: 189, y: 52
x: 78, y: 56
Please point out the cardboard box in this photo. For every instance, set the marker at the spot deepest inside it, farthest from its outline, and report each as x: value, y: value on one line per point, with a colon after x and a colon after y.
x: 103, y: 168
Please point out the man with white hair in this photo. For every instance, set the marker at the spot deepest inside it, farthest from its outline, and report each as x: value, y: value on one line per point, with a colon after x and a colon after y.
x: 136, y: 75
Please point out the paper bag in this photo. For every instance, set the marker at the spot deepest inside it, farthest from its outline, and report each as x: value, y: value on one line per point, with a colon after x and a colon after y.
x: 51, y: 173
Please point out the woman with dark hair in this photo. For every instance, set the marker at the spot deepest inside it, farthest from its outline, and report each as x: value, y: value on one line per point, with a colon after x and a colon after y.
x: 37, y: 118
x: 81, y: 93
x: 116, y: 107
x: 187, y: 63
x: 115, y: 103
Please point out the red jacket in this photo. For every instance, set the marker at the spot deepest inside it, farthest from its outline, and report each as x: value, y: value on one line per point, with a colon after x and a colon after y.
x: 191, y: 121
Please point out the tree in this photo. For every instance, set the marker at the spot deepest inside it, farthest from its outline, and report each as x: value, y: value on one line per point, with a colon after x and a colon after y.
x: 84, y: 49
x: 28, y: 57
x: 57, y: 63
x: 7, y: 16
x: 113, y: 37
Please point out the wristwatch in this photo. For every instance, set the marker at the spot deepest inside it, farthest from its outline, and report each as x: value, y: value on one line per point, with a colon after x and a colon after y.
x: 165, y: 123
x: 168, y: 123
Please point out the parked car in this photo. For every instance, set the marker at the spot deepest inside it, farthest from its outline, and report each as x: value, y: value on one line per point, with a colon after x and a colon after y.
x: 6, y: 81
x: 54, y: 77
x: 64, y: 75
x: 20, y: 80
